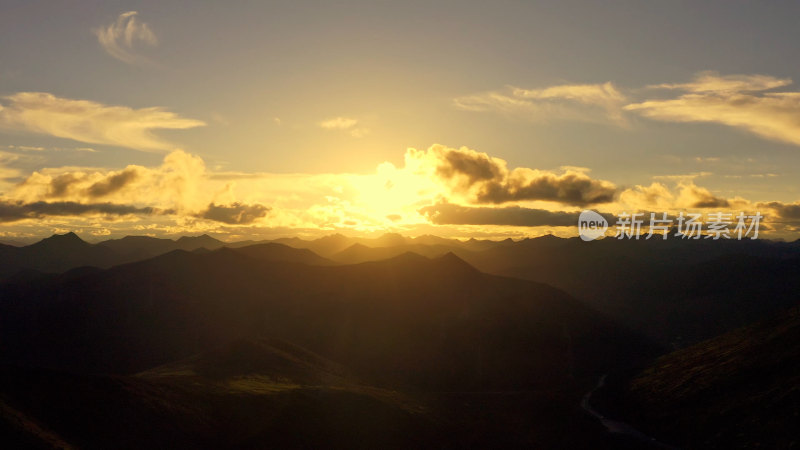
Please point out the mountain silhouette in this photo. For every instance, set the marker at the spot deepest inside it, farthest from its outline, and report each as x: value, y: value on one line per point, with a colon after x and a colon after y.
x: 358, y: 253
x: 278, y: 252
x: 53, y: 254
x: 409, y: 320
x: 393, y: 342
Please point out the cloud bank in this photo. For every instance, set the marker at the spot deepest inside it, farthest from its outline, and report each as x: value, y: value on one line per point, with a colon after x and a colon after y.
x: 451, y: 214
x: 12, y: 211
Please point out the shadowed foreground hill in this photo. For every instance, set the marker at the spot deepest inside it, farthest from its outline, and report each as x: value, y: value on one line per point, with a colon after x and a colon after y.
x: 247, y: 394
x: 268, y: 393
x: 408, y: 321
x: 739, y: 390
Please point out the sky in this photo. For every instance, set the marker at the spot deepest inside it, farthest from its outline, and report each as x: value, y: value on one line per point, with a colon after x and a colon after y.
x: 251, y: 120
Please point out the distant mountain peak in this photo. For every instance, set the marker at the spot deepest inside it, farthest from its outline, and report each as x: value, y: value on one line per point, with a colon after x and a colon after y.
x: 452, y: 260
x: 356, y: 247
x: 202, y: 237
x: 62, y: 239
x: 193, y: 242
x: 336, y: 236
x: 407, y: 257
x: 392, y: 235
x: 391, y: 239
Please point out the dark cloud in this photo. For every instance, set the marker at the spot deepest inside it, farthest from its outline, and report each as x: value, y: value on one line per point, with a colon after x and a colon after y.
x: 113, y: 183
x: 451, y: 214
x: 60, y: 186
x: 12, y: 211
x: 474, y: 166
x: 574, y: 188
x: 711, y: 202
x: 235, y: 213
x: 72, y: 183
x: 786, y: 211
x: 489, y: 181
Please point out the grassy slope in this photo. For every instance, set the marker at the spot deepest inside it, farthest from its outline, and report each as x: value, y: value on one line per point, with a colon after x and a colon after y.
x: 739, y: 390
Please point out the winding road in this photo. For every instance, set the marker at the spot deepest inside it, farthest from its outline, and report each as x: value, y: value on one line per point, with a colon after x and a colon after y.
x: 616, y: 427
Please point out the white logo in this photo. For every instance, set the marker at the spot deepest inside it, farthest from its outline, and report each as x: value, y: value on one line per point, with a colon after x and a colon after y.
x: 591, y: 225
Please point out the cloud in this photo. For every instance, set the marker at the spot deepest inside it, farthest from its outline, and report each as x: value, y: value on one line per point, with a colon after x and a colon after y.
x: 485, y: 179
x: 91, y: 122
x: 120, y: 37
x: 688, y: 196
x: 706, y: 82
x: 588, y: 102
x: 11, y: 211
x: 693, y: 196
x: 437, y: 190
x: 175, y: 184
x: 574, y: 188
x: 180, y: 186
x: 113, y: 183
x: 83, y: 184
x: 735, y: 100
x: 347, y: 124
x: 785, y: 211
x: 235, y: 213
x: 451, y: 214
x: 656, y: 196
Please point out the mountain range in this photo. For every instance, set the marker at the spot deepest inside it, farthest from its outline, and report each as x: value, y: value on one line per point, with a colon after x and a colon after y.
x: 392, y: 342
x: 612, y: 276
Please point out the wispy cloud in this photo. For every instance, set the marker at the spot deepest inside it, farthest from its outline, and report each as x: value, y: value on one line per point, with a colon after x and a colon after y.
x: 748, y: 102
x: 120, y: 37
x: 713, y: 82
x: 346, y: 124
x: 587, y: 102
x: 90, y: 122
x: 735, y: 100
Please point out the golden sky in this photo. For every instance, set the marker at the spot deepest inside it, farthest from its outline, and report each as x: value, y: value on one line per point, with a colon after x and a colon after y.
x: 461, y: 120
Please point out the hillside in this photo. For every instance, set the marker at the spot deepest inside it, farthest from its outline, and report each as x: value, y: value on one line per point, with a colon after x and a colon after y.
x: 676, y: 291
x: 243, y: 395
x: 739, y: 390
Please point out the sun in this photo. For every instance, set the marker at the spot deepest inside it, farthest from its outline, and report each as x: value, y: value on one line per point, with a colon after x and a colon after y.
x: 393, y: 195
